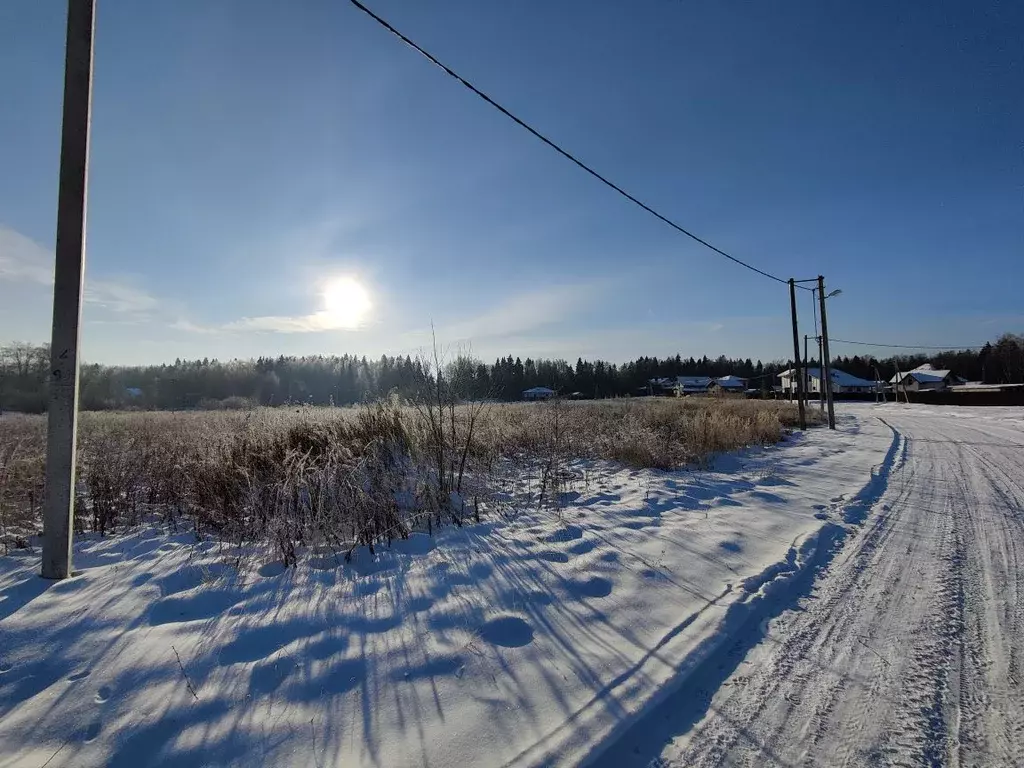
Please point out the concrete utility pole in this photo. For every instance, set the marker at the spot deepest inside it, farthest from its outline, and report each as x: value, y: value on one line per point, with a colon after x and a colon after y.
x: 821, y: 371
x: 69, y: 271
x: 797, y: 372
x: 807, y: 370
x: 826, y: 365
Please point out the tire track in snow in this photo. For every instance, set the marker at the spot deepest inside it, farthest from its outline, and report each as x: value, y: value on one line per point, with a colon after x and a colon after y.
x: 909, y: 650
x: 728, y: 734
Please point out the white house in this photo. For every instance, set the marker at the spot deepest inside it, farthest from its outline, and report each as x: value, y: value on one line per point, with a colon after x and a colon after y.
x: 842, y: 382
x: 538, y: 393
x: 924, y: 377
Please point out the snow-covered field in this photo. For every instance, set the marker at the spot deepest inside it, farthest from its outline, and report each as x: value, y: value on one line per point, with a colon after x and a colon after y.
x: 629, y: 629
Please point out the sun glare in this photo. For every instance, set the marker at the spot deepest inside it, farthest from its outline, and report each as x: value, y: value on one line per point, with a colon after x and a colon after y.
x: 346, y: 303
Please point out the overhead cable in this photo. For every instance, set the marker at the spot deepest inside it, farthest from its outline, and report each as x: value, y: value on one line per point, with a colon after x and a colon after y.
x: 950, y: 348
x: 569, y: 156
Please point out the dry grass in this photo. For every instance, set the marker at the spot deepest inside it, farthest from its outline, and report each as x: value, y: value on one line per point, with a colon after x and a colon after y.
x: 347, y: 476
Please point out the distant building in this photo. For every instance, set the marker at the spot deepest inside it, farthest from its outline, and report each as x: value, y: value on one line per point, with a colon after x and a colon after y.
x: 728, y: 384
x: 538, y: 393
x: 924, y: 378
x: 692, y: 385
x: 842, y: 382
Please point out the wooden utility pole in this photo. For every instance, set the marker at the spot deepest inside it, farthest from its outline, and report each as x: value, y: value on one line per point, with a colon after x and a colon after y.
x: 826, y: 366
x: 797, y: 372
x: 69, y: 272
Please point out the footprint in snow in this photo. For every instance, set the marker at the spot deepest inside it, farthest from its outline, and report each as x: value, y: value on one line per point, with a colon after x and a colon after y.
x: 595, y: 586
x: 92, y: 731
x: 507, y: 632
x: 566, y: 533
x: 481, y: 570
x: 552, y: 556
x: 582, y: 547
x: 269, y: 570
x: 638, y: 526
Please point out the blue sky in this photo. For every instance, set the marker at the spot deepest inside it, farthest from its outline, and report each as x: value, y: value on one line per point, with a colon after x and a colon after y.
x: 246, y: 153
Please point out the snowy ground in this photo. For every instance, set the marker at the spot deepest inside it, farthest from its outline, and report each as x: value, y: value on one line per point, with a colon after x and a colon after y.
x: 910, y: 648
x: 630, y: 631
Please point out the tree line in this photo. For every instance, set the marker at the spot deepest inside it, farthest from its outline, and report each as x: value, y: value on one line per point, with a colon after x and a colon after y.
x: 348, y: 379
x: 998, y: 363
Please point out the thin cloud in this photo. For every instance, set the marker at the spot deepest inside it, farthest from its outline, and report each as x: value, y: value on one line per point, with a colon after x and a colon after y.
x: 314, y: 323
x: 23, y: 260
x: 523, y: 313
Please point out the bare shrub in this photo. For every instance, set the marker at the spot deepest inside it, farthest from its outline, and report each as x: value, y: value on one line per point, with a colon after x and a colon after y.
x: 22, y: 448
x: 309, y: 477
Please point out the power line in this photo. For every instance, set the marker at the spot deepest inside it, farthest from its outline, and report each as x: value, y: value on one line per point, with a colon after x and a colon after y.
x: 950, y: 348
x: 521, y: 123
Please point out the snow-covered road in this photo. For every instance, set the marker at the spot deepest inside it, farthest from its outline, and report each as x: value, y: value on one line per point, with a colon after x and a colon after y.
x: 909, y: 649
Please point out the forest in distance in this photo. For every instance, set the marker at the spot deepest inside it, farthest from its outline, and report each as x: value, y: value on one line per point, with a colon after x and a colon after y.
x: 348, y: 379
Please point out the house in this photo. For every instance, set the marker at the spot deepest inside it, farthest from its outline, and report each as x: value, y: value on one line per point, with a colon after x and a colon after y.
x: 728, y: 384
x: 664, y: 385
x: 680, y: 385
x: 538, y: 393
x: 842, y: 382
x: 692, y: 385
x: 924, y: 378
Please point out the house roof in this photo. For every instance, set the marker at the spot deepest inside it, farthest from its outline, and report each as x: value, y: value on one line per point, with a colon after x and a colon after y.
x: 538, y: 391
x: 923, y: 374
x: 693, y: 381
x: 839, y: 378
x: 731, y: 382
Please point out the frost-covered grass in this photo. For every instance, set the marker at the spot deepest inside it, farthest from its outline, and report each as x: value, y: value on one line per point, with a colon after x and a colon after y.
x: 341, y: 477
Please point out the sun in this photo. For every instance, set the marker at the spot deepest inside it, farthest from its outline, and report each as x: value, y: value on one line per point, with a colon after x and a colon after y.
x: 346, y: 303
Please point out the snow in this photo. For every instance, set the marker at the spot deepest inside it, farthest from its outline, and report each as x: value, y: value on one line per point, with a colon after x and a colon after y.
x: 907, y: 650
x: 595, y: 633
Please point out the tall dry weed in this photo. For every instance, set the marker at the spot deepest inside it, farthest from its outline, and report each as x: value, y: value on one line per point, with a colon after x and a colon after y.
x: 340, y: 477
